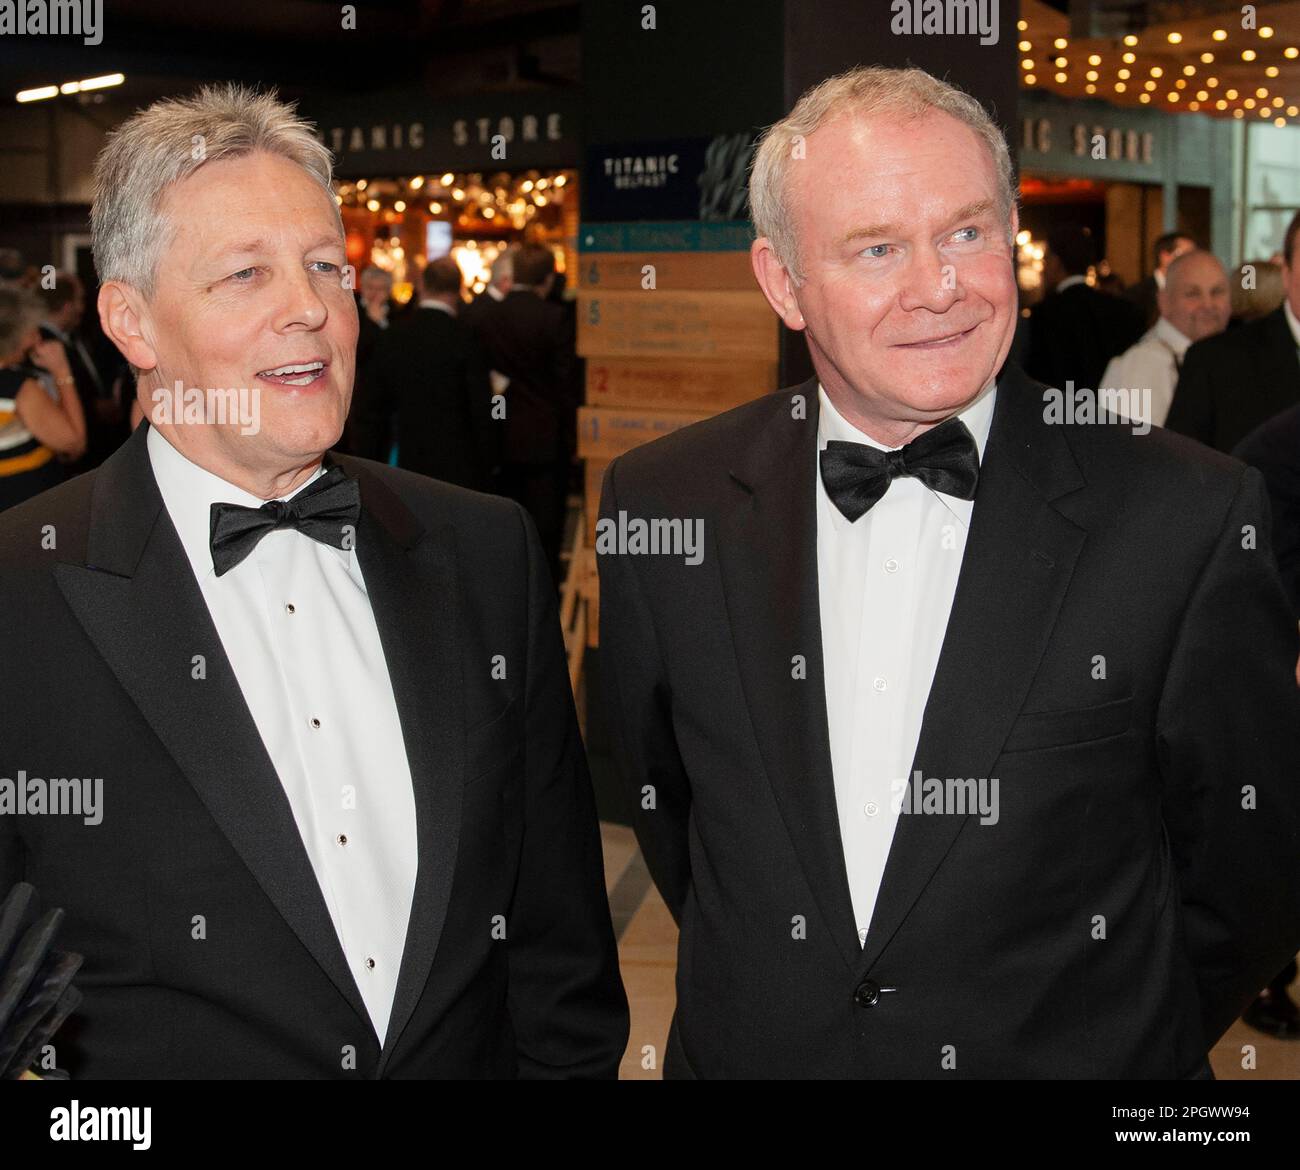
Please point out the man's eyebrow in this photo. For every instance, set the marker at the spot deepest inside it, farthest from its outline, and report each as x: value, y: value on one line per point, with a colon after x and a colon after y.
x: 872, y: 229
x: 241, y: 248
x: 253, y: 247
x: 970, y: 211
x: 973, y: 210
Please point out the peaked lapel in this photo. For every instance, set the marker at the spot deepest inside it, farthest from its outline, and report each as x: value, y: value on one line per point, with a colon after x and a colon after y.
x: 767, y: 549
x: 411, y: 577
x: 138, y: 601
x: 1020, y: 555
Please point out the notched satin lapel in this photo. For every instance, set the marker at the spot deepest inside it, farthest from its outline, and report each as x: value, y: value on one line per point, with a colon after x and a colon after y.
x: 412, y: 581
x: 768, y: 552
x: 1020, y: 555
x: 1017, y: 566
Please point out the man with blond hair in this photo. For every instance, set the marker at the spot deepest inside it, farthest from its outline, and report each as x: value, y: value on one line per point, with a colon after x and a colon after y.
x: 970, y: 747
x: 346, y: 826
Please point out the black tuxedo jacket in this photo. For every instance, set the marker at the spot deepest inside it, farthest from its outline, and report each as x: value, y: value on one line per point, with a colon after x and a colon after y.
x: 531, y: 341
x: 1074, y: 333
x: 1235, y: 381
x: 1275, y: 449
x: 98, y: 681
x: 1125, y: 906
x: 427, y: 373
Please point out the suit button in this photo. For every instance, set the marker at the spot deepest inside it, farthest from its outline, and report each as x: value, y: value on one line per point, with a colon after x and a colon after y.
x: 867, y: 994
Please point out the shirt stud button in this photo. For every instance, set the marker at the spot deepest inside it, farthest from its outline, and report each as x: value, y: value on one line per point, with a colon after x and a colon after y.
x: 871, y: 808
x: 891, y: 565
x: 370, y: 964
x: 879, y: 684
x: 342, y: 838
x: 290, y: 608
x: 314, y: 722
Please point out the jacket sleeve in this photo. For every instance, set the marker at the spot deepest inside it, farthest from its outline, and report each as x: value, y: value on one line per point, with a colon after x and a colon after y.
x: 638, y: 701
x: 1192, y: 411
x: 1228, y: 736
x: 566, y: 999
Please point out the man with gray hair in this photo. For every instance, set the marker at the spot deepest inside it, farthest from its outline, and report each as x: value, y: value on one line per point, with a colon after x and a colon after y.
x: 970, y: 750
x: 348, y: 829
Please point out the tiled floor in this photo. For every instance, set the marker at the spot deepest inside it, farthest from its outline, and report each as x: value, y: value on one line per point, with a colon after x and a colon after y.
x: 648, y: 954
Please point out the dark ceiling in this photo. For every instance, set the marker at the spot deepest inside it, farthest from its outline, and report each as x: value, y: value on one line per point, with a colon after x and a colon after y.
x: 299, y: 44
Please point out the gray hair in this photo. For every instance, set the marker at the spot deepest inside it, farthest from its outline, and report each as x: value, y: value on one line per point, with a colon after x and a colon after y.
x: 21, y: 311
x: 373, y: 270
x: 166, y: 143
x: 503, y: 266
x: 865, y: 91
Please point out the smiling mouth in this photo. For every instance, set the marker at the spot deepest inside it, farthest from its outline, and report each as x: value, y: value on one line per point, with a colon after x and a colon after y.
x: 295, y: 373
x: 944, y: 342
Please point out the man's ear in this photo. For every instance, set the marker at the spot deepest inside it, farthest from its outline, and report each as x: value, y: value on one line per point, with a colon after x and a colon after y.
x: 120, y: 314
x: 774, y: 280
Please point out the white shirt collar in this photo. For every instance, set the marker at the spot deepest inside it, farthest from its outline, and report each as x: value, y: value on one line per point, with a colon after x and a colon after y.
x: 443, y: 306
x: 189, y: 491
x: 1291, y: 320
x: 495, y: 293
x: 978, y: 417
x: 1071, y: 280
x: 1171, y: 336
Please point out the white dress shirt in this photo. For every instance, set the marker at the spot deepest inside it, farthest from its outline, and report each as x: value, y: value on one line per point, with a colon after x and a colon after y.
x: 296, y: 624
x: 886, y: 586
x: 1150, y: 367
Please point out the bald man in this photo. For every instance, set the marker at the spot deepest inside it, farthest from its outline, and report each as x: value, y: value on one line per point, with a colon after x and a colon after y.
x: 1194, y: 303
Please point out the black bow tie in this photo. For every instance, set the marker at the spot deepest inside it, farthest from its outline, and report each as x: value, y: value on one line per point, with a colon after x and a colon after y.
x: 326, y: 510
x: 944, y: 458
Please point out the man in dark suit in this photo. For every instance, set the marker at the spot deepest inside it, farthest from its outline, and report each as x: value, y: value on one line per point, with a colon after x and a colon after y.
x: 1274, y: 448
x: 936, y: 731
x: 1234, y: 382
x: 497, y: 289
x: 1145, y: 294
x: 428, y: 384
x: 340, y: 822
x: 529, y: 342
x: 1075, y: 330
